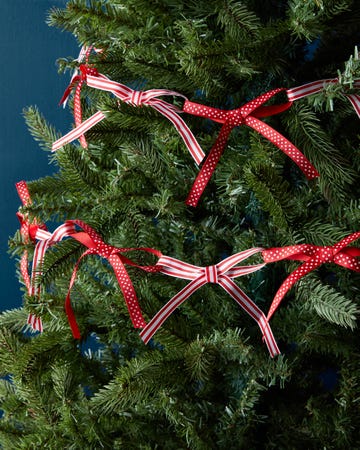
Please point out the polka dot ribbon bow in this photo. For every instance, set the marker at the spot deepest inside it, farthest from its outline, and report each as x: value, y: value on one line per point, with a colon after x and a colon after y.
x: 222, y: 274
x: 314, y: 256
x: 317, y: 86
x: 96, y: 246
x: 29, y: 232
x: 136, y: 98
x: 247, y: 114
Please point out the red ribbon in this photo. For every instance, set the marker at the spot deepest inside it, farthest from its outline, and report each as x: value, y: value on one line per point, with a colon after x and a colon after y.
x: 96, y: 246
x: 313, y: 256
x: 245, y: 115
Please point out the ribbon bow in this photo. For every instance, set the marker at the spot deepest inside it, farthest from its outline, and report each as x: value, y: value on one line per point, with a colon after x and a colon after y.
x: 96, y: 246
x: 29, y: 232
x: 221, y: 274
x: 245, y: 115
x: 317, y: 86
x: 135, y: 98
x: 313, y: 256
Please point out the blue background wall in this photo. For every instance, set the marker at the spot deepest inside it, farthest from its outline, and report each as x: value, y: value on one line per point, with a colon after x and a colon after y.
x: 29, y: 49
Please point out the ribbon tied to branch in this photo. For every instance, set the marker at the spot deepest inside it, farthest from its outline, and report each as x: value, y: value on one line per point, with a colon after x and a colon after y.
x: 247, y: 114
x: 222, y: 274
x: 314, y: 256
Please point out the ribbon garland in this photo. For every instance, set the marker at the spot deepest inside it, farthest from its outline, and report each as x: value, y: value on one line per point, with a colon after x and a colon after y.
x: 314, y: 256
x: 136, y: 98
x: 96, y: 246
x: 317, y: 86
x: 247, y: 114
x: 222, y: 274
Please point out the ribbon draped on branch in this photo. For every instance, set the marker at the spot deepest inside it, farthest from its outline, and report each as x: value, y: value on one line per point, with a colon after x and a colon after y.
x: 96, y: 246
x: 317, y: 86
x: 314, y: 256
x: 249, y: 115
x: 222, y: 274
x: 136, y: 98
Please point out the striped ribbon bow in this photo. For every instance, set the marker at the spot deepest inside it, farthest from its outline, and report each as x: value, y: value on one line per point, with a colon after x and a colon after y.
x: 247, y: 114
x: 135, y: 98
x: 221, y: 274
x: 313, y: 256
x: 317, y: 86
x: 96, y: 246
x: 29, y: 232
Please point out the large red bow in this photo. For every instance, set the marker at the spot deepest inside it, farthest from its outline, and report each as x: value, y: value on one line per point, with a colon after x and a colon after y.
x: 96, y: 246
x: 247, y: 114
x: 222, y: 274
x: 313, y: 256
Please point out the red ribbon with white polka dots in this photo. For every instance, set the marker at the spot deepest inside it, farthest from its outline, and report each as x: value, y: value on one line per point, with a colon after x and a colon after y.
x: 136, y: 98
x: 248, y: 115
x: 313, y: 256
x: 96, y: 246
x: 222, y: 274
x: 317, y: 86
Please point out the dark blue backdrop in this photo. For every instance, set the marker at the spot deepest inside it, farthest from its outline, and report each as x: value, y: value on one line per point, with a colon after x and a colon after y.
x: 29, y: 49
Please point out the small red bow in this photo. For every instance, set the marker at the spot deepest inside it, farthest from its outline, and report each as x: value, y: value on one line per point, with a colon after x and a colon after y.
x: 313, y: 256
x: 245, y: 115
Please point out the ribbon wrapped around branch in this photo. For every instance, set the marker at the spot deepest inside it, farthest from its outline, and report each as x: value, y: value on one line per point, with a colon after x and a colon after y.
x: 249, y: 115
x: 96, y: 246
x: 314, y: 256
x: 136, y: 98
x: 317, y: 86
x: 222, y: 274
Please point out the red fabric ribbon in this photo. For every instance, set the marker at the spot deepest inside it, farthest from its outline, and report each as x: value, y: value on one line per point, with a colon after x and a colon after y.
x: 247, y: 114
x: 96, y: 246
x: 222, y: 274
x: 313, y: 256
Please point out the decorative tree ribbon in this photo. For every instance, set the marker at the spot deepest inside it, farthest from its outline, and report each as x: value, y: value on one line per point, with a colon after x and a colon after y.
x: 222, y: 274
x: 28, y: 232
x: 96, y: 246
x: 313, y: 256
x: 317, y: 86
x: 135, y: 98
x: 247, y: 114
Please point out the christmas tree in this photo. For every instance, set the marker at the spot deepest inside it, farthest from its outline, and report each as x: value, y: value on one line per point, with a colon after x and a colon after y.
x: 205, y: 379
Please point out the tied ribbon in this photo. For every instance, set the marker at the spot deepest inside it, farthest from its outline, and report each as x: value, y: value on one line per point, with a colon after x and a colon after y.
x: 135, y: 98
x: 221, y: 274
x: 96, y: 246
x: 247, y: 114
x: 28, y: 232
x: 314, y: 256
x: 317, y: 86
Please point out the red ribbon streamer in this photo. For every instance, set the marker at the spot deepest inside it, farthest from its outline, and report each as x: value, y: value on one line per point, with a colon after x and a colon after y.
x: 313, y: 256
x: 245, y: 115
x: 96, y: 246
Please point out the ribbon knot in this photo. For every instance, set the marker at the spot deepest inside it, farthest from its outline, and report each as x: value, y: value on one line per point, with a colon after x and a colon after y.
x: 327, y: 253
x: 236, y: 117
x: 86, y: 70
x: 136, y: 98
x: 222, y: 274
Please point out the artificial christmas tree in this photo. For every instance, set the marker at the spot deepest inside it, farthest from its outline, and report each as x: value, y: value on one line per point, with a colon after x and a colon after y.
x: 205, y: 379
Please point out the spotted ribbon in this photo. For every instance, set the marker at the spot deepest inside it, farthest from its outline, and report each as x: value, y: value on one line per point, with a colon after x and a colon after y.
x: 317, y: 86
x: 222, y: 274
x: 247, y: 114
x: 314, y: 256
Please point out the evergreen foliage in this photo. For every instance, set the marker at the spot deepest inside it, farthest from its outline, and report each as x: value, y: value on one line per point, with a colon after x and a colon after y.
x: 206, y: 380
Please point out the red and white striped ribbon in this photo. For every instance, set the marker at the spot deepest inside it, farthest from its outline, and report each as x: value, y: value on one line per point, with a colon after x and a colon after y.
x: 317, y: 86
x: 222, y: 274
x: 137, y: 98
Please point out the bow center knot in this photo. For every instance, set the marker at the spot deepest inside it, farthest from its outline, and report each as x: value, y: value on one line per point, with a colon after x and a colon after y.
x: 136, y: 98
x: 87, y: 70
x: 105, y: 250
x: 236, y: 117
x: 327, y: 253
x: 211, y: 274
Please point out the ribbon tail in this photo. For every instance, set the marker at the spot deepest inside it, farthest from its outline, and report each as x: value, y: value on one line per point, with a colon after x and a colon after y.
x: 78, y: 112
x: 128, y: 291
x: 252, y: 309
x: 284, y: 145
x: 208, y: 167
x: 24, y: 270
x: 355, y: 101
x: 156, y: 322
